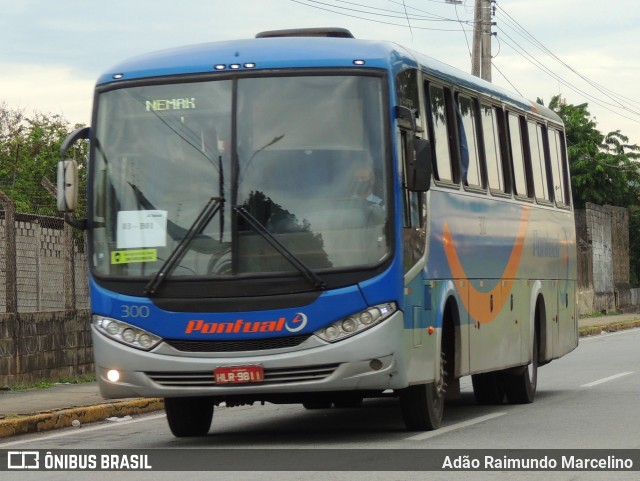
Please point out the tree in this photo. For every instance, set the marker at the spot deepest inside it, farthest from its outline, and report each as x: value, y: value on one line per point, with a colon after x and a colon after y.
x: 603, y: 167
x: 29, y: 151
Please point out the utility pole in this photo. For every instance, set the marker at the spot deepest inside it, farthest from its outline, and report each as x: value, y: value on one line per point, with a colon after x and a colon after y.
x: 477, y: 36
x: 481, y: 51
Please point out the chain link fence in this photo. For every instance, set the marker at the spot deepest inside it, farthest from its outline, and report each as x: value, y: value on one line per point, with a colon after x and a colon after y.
x: 43, y: 264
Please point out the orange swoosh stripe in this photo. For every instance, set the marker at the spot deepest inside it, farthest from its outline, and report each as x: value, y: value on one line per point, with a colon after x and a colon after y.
x: 478, y: 304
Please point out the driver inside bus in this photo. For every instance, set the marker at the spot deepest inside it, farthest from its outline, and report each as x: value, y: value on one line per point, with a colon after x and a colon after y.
x: 363, y: 182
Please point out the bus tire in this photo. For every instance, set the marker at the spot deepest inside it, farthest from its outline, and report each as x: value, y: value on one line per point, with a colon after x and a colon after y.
x: 189, y: 416
x: 488, y: 388
x: 422, y: 406
x: 520, y: 388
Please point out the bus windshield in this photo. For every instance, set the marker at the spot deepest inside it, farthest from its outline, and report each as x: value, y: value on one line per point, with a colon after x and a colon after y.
x: 300, y: 157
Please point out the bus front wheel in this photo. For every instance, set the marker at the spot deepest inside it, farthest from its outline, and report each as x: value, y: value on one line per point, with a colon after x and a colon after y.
x: 422, y: 406
x: 189, y: 416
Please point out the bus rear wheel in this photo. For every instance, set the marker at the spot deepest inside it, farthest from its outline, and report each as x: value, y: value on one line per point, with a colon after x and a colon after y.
x: 488, y: 388
x: 521, y: 388
x: 190, y: 416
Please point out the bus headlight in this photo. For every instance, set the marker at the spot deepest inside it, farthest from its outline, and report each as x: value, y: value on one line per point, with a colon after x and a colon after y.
x: 126, y: 333
x: 356, y: 323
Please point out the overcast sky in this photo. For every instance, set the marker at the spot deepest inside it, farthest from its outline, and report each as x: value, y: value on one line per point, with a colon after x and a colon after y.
x: 52, y: 52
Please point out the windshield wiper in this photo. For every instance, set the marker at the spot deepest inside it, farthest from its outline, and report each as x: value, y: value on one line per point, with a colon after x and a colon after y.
x: 203, y: 219
x: 311, y: 276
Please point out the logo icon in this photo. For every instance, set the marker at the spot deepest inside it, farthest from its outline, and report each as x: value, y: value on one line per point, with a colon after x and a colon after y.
x: 298, y: 322
x: 23, y: 460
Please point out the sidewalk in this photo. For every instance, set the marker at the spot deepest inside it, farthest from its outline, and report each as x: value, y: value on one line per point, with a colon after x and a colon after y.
x: 40, y: 410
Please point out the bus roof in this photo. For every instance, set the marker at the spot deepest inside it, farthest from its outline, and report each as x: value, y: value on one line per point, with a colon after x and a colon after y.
x: 283, y: 52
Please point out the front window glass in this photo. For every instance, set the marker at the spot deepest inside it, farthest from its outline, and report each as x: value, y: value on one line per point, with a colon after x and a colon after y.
x: 297, y: 162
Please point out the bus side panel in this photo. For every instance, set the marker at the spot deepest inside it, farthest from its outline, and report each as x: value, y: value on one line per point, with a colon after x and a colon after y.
x: 422, y: 331
x: 498, y: 344
x: 567, y: 309
x: 501, y: 255
x: 567, y: 318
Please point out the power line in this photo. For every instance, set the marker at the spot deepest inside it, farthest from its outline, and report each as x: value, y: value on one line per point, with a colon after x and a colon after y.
x: 466, y: 39
x: 414, y: 17
x: 408, y: 21
x: 614, y: 99
x: 430, y: 17
x: 527, y: 56
x: 505, y: 77
x: 431, y: 14
x: 546, y: 50
x: 326, y: 7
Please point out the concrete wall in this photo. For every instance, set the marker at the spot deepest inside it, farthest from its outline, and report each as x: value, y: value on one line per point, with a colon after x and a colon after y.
x: 620, y: 255
x: 44, y: 345
x: 603, y: 258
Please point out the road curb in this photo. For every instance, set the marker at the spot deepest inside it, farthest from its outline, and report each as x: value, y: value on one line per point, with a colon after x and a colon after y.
x: 617, y: 326
x: 61, y: 418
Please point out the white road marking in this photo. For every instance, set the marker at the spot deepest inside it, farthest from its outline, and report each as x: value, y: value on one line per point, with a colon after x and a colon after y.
x: 73, y: 431
x: 453, y: 427
x: 607, y: 379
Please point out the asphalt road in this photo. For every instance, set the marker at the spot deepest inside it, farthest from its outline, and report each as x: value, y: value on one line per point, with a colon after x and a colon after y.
x: 586, y: 400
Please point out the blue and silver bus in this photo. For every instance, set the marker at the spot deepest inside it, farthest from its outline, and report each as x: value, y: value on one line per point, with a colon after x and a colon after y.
x: 305, y: 217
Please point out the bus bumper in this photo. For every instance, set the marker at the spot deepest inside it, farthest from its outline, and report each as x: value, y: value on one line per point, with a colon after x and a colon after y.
x: 373, y: 360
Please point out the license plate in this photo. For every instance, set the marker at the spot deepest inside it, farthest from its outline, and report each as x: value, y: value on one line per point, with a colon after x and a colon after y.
x: 238, y: 374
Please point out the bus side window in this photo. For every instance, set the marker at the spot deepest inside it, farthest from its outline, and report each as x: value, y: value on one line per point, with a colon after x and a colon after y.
x: 440, y: 132
x: 517, y: 155
x: 538, y: 162
x: 558, y: 167
x: 466, y: 115
x: 492, y: 149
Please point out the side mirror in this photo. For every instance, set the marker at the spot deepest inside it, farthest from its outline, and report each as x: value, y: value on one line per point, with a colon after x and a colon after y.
x: 418, y: 169
x: 418, y: 156
x: 67, y: 194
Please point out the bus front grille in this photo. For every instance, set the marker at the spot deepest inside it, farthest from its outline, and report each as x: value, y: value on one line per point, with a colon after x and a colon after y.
x: 271, y: 376
x: 237, y: 346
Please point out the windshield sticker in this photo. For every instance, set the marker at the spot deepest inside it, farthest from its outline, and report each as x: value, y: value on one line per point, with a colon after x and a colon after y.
x: 136, y: 255
x: 142, y: 228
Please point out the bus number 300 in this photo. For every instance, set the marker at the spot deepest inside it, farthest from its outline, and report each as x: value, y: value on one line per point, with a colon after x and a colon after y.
x: 135, y: 311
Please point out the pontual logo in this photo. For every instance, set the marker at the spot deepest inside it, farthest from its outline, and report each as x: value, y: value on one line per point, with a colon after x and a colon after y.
x: 282, y: 324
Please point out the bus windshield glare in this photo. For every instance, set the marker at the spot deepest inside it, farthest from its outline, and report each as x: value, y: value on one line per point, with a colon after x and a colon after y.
x: 317, y: 188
